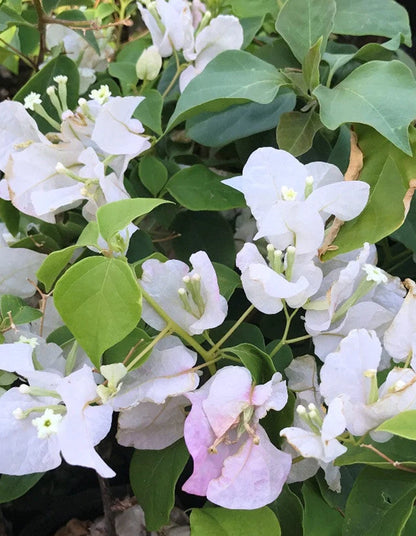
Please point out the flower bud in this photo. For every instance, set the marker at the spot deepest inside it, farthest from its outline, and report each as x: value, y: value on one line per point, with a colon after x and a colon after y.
x: 149, y: 64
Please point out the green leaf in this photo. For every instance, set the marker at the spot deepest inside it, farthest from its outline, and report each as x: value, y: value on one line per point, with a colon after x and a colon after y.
x: 208, y: 231
x: 388, y: 172
x: 372, y: 17
x: 223, y: 522
x: 13, y: 487
x: 380, y: 503
x: 228, y: 280
x: 403, y: 425
x: 257, y: 362
x: 10, y: 216
x: 137, y: 339
x: 239, y: 121
x: 149, y: 111
x: 278, y: 54
x: 199, y: 188
x: 19, y: 311
x: 358, y: 99
x: 245, y: 334
x: 410, y: 528
x: 113, y: 217
x: 153, y: 477
x: 232, y: 77
x: 319, y: 519
x: 289, y: 511
x: 242, y: 8
x: 53, y: 265
x: 100, y: 301
x: 250, y: 25
x: 125, y: 71
x: 302, y: 22
x: 61, y: 65
x: 296, y: 131
x: 311, y: 65
x: 153, y: 174
x: 10, y: 17
x: 406, y: 233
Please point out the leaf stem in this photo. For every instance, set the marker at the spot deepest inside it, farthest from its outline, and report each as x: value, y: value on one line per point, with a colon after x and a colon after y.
x: 167, y: 330
x: 218, y: 345
x: 284, y: 340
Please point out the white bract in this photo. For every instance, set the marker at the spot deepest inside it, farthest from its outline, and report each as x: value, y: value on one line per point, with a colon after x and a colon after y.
x: 223, y: 33
x: 38, y: 424
x: 170, y: 24
x: 292, y: 201
x: 150, y: 397
x: 290, y: 278
x: 352, y: 295
x: 400, y: 338
x: 350, y: 375
x: 191, y: 298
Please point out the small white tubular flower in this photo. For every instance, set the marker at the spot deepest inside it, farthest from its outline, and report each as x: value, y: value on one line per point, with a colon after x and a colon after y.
x: 349, y: 374
x: 375, y: 274
x: 192, y: 298
x: 400, y: 337
x: 60, y: 79
x: 47, y: 424
x: 267, y: 285
x: 274, y: 184
x: 31, y: 100
x: 223, y: 33
x: 149, y: 64
x: 170, y: 25
x: 101, y: 95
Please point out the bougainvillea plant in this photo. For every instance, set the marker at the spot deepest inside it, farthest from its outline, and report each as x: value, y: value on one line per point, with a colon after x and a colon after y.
x: 207, y: 245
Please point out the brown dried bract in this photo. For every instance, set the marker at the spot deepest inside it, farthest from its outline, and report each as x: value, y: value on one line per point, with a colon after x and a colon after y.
x: 356, y: 160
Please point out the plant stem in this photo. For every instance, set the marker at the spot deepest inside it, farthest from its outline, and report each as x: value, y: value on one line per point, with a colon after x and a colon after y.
x: 164, y: 333
x: 218, y: 345
x: 109, y: 521
x: 289, y: 318
x: 42, y: 31
x: 24, y: 58
x: 298, y: 339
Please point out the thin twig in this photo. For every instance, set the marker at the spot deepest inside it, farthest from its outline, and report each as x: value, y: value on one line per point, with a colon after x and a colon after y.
x: 397, y: 465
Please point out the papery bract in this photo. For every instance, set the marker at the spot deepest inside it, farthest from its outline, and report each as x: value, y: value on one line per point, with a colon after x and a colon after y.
x: 235, y: 464
x: 291, y: 201
x: 191, y: 298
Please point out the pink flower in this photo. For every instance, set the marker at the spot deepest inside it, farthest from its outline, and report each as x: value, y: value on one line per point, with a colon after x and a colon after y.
x: 235, y: 464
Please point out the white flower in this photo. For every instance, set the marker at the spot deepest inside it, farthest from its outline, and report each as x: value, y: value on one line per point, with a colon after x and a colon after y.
x: 32, y: 99
x: 350, y: 374
x: 17, y: 131
x: 101, y: 95
x: 18, y: 266
x: 47, y: 424
x: 223, y: 33
x: 191, y: 298
x: 36, y: 429
x: 266, y: 285
x: 400, y: 337
x: 170, y: 24
x: 150, y: 398
x: 290, y: 207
